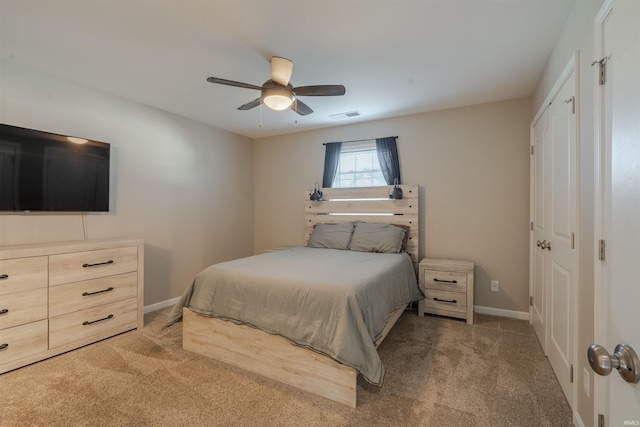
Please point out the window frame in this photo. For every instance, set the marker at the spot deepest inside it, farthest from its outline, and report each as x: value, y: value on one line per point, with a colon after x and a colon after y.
x: 350, y: 148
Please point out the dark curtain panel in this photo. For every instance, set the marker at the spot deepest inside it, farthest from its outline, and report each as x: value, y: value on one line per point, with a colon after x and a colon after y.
x: 388, y: 156
x: 331, y: 158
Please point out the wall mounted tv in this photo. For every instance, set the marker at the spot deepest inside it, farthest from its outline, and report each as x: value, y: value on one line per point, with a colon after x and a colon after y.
x: 47, y: 172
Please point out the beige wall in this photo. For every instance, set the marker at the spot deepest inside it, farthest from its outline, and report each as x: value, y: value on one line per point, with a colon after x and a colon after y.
x: 184, y: 187
x: 472, y: 165
x: 578, y: 35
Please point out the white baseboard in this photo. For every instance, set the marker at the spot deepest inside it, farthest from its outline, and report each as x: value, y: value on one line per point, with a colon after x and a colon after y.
x: 160, y: 305
x: 522, y: 315
x: 577, y: 420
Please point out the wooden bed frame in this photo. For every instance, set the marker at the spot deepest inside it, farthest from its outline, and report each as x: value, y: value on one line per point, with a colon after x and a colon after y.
x: 275, y: 357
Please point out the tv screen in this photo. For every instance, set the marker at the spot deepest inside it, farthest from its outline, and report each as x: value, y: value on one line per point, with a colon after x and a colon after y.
x: 47, y: 172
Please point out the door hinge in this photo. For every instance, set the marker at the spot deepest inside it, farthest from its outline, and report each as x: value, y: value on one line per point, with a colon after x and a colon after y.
x: 531, y: 225
x: 532, y: 150
x: 573, y: 240
x: 601, y: 250
x: 531, y: 301
x: 600, y: 420
x: 602, y: 70
x: 571, y: 375
x: 571, y: 100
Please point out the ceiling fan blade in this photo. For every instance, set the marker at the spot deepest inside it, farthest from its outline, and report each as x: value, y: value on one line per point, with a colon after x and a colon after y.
x: 250, y: 105
x: 281, y: 69
x: 320, y: 90
x: 301, y: 108
x: 232, y: 83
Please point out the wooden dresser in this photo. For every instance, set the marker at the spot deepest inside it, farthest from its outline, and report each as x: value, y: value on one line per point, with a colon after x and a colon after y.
x: 448, y: 288
x: 60, y: 296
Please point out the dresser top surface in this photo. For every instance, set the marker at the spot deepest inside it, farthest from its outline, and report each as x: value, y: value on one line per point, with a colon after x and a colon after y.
x: 52, y: 248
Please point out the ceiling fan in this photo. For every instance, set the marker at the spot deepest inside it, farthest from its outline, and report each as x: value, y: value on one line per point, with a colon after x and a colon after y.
x: 278, y: 93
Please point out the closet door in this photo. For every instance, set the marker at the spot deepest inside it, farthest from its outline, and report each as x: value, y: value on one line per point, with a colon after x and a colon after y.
x: 539, y: 218
x: 561, y: 262
x: 554, y: 219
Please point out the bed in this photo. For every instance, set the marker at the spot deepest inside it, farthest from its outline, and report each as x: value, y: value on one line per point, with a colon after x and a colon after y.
x: 311, y: 317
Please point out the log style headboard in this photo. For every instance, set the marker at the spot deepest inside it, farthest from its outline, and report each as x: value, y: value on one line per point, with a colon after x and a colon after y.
x: 370, y: 204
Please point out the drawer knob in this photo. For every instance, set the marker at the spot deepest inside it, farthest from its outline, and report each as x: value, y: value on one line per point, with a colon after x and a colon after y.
x: 97, y: 264
x: 4, y: 276
x: 451, y: 301
x: 86, y: 322
x: 4, y: 346
x: 4, y: 311
x: 445, y: 281
x: 85, y: 294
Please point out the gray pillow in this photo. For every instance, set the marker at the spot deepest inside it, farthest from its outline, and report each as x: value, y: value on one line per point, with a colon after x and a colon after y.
x: 374, y: 237
x: 331, y: 236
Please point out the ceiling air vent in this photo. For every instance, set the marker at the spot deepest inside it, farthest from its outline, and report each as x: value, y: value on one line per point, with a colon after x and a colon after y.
x: 347, y: 115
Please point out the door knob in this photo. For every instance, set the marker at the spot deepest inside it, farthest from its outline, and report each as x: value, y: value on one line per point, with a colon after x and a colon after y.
x: 549, y: 245
x: 624, y: 359
x: 539, y: 243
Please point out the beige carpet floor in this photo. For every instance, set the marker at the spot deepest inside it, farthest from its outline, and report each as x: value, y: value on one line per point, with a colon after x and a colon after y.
x: 439, y: 372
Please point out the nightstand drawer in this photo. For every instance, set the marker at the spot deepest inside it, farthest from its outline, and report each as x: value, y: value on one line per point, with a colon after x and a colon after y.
x: 23, y: 307
x: 74, y: 267
x: 22, y: 341
x: 449, y: 301
x: 22, y: 274
x: 445, y: 281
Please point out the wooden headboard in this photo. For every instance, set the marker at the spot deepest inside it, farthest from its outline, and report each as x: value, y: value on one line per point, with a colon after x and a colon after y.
x: 370, y: 204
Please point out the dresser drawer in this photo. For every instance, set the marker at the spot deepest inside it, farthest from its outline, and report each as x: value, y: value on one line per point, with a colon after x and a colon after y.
x: 445, y: 281
x: 79, y: 266
x: 442, y: 300
x: 108, y: 319
x: 23, y: 307
x: 76, y: 296
x: 22, y: 341
x: 23, y: 274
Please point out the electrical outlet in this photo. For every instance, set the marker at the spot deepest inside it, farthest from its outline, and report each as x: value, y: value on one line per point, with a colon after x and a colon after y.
x: 495, y: 286
x: 585, y: 381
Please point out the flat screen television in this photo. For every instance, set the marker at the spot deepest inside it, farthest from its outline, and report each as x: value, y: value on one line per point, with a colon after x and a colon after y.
x: 47, y: 172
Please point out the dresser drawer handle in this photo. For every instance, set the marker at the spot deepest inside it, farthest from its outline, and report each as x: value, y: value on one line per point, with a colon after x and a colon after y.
x: 4, y: 276
x: 445, y: 281
x: 4, y: 346
x: 86, y: 322
x: 4, y: 311
x: 452, y: 301
x: 86, y: 294
x: 98, y: 263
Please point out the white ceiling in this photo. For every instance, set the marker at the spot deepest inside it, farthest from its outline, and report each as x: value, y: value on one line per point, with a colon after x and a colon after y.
x: 394, y: 57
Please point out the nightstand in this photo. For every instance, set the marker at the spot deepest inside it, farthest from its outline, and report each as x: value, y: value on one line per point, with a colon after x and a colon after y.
x: 448, y: 288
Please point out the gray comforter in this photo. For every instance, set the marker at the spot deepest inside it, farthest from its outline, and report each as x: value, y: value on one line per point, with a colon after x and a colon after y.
x: 333, y: 301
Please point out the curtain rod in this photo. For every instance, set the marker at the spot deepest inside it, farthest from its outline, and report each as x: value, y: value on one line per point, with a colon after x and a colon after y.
x: 361, y: 140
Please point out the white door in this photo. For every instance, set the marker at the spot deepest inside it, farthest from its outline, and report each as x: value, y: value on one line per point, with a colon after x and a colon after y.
x: 538, y: 260
x: 620, y: 289
x: 554, y: 217
x: 562, y: 219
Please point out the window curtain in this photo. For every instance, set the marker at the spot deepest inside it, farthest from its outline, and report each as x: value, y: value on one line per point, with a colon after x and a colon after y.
x: 331, y: 159
x: 388, y: 157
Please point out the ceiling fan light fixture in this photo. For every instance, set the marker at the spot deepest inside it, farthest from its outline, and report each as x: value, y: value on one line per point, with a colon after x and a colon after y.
x: 278, y: 93
x: 278, y: 98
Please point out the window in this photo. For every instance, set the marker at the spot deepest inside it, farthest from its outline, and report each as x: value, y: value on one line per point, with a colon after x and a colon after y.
x: 359, y: 166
